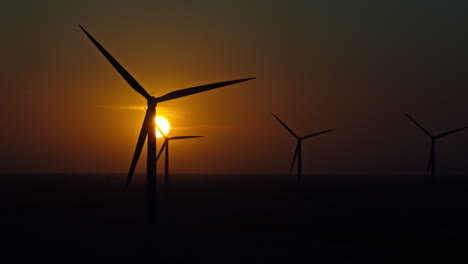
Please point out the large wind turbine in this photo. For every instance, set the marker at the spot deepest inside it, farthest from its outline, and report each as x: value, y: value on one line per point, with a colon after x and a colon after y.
x: 148, y: 127
x: 431, y: 163
x: 298, y: 151
x: 165, y: 146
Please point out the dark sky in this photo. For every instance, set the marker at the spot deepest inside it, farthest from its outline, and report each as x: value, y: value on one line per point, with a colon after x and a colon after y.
x: 352, y: 65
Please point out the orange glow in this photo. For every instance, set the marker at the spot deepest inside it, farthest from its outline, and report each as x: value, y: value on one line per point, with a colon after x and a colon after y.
x: 163, y: 124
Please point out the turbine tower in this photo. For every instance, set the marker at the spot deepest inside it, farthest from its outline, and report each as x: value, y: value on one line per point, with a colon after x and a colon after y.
x: 148, y: 129
x: 431, y: 163
x: 165, y: 147
x: 298, y: 151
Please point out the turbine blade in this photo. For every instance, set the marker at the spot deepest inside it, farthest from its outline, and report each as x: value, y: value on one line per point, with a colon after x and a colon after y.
x: 318, y: 133
x: 130, y: 80
x: 166, y: 140
x: 295, y: 156
x: 197, y: 89
x: 285, y: 126
x: 139, y: 147
x: 422, y: 128
x: 450, y: 132
x: 160, y: 131
x: 184, y: 137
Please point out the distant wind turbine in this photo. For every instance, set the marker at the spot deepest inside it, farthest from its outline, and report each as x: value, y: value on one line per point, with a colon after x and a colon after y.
x: 431, y: 163
x: 165, y: 146
x: 298, y: 151
x: 148, y: 127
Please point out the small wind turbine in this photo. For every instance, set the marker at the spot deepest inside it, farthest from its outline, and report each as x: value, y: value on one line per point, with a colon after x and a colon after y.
x: 148, y: 128
x: 298, y: 151
x: 165, y: 146
x: 431, y: 163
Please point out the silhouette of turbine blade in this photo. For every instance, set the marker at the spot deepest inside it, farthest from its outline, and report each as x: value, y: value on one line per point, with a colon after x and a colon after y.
x: 417, y: 124
x: 184, y: 137
x: 130, y: 80
x: 160, y: 131
x: 450, y: 132
x: 166, y: 140
x: 285, y: 126
x: 295, y: 157
x: 139, y: 147
x: 318, y: 133
x: 197, y: 89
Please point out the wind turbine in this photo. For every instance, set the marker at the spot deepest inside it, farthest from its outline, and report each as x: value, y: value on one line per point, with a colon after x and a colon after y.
x: 431, y: 163
x: 148, y: 127
x: 165, y: 146
x: 298, y: 151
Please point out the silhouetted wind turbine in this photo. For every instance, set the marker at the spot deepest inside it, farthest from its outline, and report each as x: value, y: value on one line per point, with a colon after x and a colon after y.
x: 165, y: 146
x: 298, y: 151
x: 431, y: 163
x: 148, y: 127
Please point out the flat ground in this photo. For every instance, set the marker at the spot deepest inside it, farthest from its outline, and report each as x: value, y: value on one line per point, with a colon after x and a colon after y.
x: 235, y: 219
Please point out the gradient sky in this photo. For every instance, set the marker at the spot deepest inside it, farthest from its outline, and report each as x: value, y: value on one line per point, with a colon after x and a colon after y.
x: 352, y: 65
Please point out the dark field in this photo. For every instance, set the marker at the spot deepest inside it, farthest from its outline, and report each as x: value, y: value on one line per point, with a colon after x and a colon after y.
x: 236, y: 219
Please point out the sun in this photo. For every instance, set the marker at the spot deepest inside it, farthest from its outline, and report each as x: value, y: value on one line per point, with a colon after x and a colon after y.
x: 163, y: 124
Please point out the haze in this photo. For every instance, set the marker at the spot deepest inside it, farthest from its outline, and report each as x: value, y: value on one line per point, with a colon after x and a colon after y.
x: 354, y: 66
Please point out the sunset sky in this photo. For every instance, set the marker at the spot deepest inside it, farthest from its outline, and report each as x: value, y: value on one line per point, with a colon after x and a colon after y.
x: 357, y: 66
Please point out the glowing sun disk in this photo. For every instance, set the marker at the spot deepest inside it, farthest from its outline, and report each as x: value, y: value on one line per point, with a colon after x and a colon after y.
x: 163, y: 124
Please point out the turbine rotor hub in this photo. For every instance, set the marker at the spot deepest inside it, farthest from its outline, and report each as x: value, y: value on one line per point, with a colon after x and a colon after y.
x: 152, y: 102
